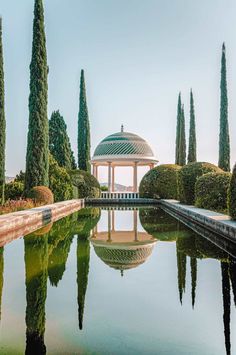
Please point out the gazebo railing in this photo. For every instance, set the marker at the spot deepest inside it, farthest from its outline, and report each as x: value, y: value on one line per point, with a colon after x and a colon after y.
x: 119, y: 195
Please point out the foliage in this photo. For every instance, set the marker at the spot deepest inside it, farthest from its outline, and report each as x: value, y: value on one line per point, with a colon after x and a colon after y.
x: 41, y: 195
x: 104, y: 188
x: 188, y: 176
x: 2, y: 122
x: 193, y: 266
x: 59, y: 181
x: 211, y: 191
x: 192, y: 149
x: 59, y: 142
x: 1, y: 275
x: 37, y: 162
x: 232, y: 195
x: 14, y: 190
x: 160, y: 182
x: 86, y: 185
x: 179, y: 113
x: 224, y: 141
x: 181, y: 266
x: 20, y: 177
x: 83, y: 129
x: 182, y: 140
x: 15, y: 206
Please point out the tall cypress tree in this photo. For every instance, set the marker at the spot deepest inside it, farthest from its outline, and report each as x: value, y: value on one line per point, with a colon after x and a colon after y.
x: 179, y: 113
x: 59, y: 142
x: 182, y: 139
x: 2, y: 122
x: 83, y: 129
x: 192, y: 148
x: 37, y: 158
x: 193, y: 265
x: 224, y: 141
x: 226, y: 304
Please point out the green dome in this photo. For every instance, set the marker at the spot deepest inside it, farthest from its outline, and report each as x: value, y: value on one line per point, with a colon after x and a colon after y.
x: 123, y: 144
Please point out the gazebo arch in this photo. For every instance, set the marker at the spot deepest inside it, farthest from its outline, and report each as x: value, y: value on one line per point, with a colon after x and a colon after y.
x: 122, y: 149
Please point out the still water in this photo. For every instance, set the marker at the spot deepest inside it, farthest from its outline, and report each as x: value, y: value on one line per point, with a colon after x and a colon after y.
x: 117, y: 282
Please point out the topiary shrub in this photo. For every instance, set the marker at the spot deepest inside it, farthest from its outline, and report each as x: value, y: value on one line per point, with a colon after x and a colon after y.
x: 232, y: 195
x: 187, y: 178
x: 41, y: 195
x: 14, y: 190
x: 160, y: 182
x: 211, y: 191
x: 59, y: 181
x: 85, y: 184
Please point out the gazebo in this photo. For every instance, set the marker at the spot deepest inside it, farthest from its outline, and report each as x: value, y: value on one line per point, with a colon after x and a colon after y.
x: 122, y: 149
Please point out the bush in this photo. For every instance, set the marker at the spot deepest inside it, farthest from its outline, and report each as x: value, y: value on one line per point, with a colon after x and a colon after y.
x: 160, y: 182
x: 14, y: 190
x: 232, y: 195
x: 15, y: 206
x: 211, y: 191
x: 59, y: 181
x: 41, y: 195
x: 187, y: 178
x: 85, y: 184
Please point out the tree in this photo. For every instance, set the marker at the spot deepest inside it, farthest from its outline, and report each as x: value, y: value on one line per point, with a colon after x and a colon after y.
x: 179, y: 112
x: 232, y: 195
x: 83, y: 129
x: 2, y: 122
x: 59, y: 142
x: 37, y: 163
x: 192, y: 149
x: 224, y: 141
x: 182, y: 139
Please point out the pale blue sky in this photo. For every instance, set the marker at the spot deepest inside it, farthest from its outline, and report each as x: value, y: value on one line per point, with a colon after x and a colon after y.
x: 137, y: 56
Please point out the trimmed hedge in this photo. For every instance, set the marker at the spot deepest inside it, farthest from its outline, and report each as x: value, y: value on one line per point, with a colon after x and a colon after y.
x: 232, y: 195
x: 211, y: 191
x: 59, y: 181
x: 160, y: 182
x: 14, y: 190
x: 41, y: 195
x: 188, y: 176
x: 85, y: 184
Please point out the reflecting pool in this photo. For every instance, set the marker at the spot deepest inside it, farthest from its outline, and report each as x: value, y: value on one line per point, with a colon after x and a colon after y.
x: 116, y: 281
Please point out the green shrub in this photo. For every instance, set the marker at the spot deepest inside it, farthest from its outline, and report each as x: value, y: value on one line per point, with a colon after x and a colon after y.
x: 41, y: 195
x: 85, y: 184
x: 211, y: 191
x: 160, y: 182
x: 232, y: 195
x: 59, y: 181
x: 187, y: 178
x: 14, y: 190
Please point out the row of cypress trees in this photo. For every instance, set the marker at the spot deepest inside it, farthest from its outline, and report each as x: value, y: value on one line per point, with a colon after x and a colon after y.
x: 2, y: 122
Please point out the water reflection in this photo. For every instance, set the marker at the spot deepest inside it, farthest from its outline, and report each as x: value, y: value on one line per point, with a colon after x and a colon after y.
x: 1, y: 277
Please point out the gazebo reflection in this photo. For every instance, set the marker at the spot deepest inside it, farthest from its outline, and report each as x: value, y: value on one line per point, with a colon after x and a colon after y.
x: 122, y: 249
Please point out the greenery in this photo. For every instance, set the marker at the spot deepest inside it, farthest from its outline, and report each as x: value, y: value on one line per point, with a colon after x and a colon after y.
x: 232, y: 195
x: 211, y: 191
x: 193, y: 266
x: 85, y: 184
x: 59, y: 181
x: 188, y: 176
x: 224, y: 141
x: 41, y: 195
x: 1, y: 276
x: 83, y: 129
x: 14, y: 190
x: 192, y: 149
x: 2, y: 122
x: 37, y: 158
x: 179, y: 113
x: 59, y: 142
x: 182, y: 140
x: 160, y: 182
x: 20, y: 177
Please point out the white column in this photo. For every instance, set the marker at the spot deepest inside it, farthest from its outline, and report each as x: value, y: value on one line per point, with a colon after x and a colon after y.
x: 96, y: 171
x: 135, y: 178
x: 113, y: 179
x: 109, y: 177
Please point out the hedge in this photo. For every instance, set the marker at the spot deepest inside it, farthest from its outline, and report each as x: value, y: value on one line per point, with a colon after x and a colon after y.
x: 59, y: 181
x: 41, y: 195
x: 232, y: 195
x: 211, y: 191
x: 160, y: 182
x: 14, y: 190
x: 188, y: 176
x: 85, y: 185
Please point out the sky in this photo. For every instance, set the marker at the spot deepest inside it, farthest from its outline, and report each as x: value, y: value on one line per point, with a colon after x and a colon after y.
x: 137, y: 56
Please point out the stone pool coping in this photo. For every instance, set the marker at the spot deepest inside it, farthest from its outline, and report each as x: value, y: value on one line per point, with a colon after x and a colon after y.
x: 14, y: 225
x: 217, y: 222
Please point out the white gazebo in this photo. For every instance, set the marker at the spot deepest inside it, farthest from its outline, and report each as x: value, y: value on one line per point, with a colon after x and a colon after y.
x: 122, y: 149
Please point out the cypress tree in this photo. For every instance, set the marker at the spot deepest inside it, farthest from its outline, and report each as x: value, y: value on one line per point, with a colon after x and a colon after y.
x: 193, y: 265
x: 37, y: 158
x: 83, y: 129
x: 1, y: 276
x: 182, y: 140
x: 59, y: 142
x: 2, y: 122
x: 232, y: 195
x: 192, y: 149
x: 226, y: 304
x: 179, y: 113
x: 224, y: 141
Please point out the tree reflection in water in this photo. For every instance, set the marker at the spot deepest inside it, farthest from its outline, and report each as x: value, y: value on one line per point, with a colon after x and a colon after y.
x: 1, y: 277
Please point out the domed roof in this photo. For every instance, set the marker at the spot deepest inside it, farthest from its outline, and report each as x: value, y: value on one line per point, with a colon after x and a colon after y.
x: 123, y: 145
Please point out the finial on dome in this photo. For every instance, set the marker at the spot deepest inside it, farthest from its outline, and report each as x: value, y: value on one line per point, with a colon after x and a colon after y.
x: 122, y: 128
